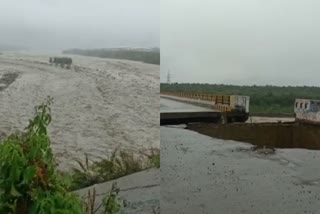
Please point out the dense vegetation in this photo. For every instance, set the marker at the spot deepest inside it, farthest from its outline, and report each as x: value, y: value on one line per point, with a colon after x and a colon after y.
x: 151, y: 56
x: 263, y: 99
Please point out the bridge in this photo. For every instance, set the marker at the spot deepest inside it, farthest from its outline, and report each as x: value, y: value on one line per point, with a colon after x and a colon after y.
x: 178, y: 108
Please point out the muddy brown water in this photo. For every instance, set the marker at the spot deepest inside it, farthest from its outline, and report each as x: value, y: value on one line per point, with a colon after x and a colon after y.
x: 271, y: 135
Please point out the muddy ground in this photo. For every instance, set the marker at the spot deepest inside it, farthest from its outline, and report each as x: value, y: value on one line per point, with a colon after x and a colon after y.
x: 99, y: 105
x: 200, y: 174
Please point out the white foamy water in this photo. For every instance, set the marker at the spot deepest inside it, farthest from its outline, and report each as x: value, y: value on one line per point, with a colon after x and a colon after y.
x: 99, y: 105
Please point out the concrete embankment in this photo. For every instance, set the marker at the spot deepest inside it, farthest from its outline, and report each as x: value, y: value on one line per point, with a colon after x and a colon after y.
x: 139, y: 192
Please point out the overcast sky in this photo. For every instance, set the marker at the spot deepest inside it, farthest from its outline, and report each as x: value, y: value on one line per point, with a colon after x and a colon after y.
x: 60, y: 24
x: 241, y: 42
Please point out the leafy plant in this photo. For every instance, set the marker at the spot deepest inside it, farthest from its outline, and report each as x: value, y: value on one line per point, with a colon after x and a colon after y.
x: 110, y: 202
x: 29, y: 182
x: 156, y: 210
x: 120, y: 163
x: 84, y: 175
x: 90, y: 202
x: 153, y: 155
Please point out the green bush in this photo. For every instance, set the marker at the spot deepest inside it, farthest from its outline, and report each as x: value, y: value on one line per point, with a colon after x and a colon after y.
x: 121, y: 163
x: 29, y: 182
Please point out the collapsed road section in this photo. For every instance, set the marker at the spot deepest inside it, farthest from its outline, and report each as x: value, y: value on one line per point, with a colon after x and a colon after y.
x: 270, y: 135
x: 249, y: 169
x: 300, y: 132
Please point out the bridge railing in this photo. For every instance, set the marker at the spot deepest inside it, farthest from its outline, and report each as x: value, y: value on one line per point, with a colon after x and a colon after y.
x: 225, y: 103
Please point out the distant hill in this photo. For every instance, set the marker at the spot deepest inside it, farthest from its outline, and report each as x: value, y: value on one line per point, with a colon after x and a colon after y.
x: 147, y: 55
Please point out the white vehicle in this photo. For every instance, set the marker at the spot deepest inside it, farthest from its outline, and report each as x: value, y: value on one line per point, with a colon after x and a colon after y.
x: 307, y: 110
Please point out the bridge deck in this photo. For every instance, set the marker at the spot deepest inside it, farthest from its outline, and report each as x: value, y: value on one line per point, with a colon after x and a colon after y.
x: 202, y: 103
x: 175, y: 110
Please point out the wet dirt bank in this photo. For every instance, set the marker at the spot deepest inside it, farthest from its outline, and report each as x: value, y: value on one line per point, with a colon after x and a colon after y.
x: 271, y: 135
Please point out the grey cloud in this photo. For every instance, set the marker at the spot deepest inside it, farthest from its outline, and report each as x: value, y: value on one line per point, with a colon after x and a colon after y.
x: 58, y: 24
x: 241, y: 42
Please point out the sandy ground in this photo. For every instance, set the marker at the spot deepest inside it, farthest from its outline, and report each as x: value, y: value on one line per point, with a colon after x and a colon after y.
x: 200, y: 174
x: 99, y: 105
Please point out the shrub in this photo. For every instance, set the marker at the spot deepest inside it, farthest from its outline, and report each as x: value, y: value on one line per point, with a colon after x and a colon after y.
x: 29, y: 182
x: 110, y: 202
x: 120, y: 163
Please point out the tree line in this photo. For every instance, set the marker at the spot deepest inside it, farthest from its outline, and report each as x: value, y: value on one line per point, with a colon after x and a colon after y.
x: 151, y: 56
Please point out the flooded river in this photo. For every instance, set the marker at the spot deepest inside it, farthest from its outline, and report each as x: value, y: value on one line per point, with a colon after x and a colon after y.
x: 99, y: 105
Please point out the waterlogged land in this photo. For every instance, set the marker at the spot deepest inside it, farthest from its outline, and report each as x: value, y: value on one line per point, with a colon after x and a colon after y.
x: 99, y: 105
x: 201, y: 174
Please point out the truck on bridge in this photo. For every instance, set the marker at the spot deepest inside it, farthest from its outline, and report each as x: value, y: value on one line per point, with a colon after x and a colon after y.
x: 307, y: 111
